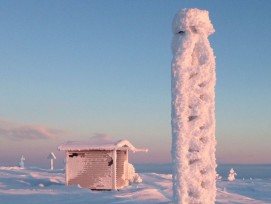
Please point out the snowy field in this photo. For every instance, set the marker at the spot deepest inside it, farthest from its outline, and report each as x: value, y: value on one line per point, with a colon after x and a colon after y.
x: 35, y: 185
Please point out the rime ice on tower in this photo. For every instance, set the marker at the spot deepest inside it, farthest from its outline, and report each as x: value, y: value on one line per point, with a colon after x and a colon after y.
x: 193, y: 109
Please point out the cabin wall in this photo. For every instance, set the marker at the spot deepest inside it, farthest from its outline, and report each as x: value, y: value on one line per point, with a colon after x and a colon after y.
x: 89, y: 169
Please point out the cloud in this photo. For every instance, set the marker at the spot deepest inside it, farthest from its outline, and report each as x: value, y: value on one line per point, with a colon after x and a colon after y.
x: 14, y: 131
x: 98, y: 138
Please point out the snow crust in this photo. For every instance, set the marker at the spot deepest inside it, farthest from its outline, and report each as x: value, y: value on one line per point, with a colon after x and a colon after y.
x: 193, y: 109
x: 35, y: 185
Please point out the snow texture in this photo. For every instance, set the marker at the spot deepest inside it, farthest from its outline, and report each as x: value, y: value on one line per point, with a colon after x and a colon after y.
x: 133, y: 177
x: 76, y: 168
x: 99, y: 145
x: 35, y: 185
x: 232, y: 175
x: 193, y: 109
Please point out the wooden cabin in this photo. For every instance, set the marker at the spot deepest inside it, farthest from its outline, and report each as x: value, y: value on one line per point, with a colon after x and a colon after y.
x: 98, y: 165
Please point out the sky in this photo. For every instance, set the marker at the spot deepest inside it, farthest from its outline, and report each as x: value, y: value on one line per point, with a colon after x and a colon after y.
x: 71, y: 70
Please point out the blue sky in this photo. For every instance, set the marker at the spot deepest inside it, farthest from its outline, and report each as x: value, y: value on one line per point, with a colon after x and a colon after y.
x: 75, y: 69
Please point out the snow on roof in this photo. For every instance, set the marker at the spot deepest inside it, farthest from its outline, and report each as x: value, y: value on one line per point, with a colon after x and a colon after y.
x: 99, y: 145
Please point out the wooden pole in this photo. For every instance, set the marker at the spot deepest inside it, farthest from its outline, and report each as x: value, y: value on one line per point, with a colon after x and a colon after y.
x: 52, y: 164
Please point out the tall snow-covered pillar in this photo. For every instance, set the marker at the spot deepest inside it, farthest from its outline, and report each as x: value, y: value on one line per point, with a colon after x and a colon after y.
x: 193, y: 109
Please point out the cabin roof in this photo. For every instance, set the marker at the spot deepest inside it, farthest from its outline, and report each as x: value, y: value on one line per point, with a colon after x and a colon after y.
x: 99, y: 145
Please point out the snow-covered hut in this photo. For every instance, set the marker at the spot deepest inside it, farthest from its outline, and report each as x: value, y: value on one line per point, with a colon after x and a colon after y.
x: 101, y: 165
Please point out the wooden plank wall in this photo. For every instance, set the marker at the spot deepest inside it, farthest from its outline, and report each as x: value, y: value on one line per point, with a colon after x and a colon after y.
x: 90, y: 169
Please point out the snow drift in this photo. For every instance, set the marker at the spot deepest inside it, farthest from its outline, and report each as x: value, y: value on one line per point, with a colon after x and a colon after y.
x: 43, y: 186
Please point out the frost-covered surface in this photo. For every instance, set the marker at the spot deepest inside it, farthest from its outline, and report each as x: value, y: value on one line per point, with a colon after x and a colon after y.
x: 76, y: 167
x: 89, y: 169
x: 193, y: 119
x: 35, y: 185
x: 133, y: 177
x: 232, y: 175
x: 99, y: 145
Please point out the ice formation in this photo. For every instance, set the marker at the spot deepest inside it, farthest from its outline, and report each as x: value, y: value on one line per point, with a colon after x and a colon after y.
x: 193, y: 109
x: 133, y: 177
x: 232, y: 175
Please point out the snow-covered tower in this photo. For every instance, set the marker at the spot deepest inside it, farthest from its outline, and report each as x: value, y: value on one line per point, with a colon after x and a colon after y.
x: 193, y: 109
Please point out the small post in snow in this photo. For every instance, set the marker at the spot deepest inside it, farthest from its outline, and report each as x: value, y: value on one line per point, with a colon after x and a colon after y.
x: 21, y: 163
x: 193, y: 109
x: 52, y: 156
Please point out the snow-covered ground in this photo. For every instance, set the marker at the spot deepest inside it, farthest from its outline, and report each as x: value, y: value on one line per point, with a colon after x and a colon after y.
x: 35, y: 185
